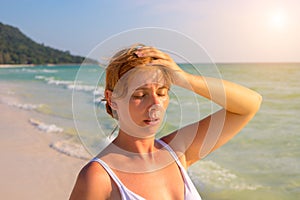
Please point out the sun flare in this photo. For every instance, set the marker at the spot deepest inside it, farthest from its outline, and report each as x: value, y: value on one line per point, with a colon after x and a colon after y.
x: 278, y: 19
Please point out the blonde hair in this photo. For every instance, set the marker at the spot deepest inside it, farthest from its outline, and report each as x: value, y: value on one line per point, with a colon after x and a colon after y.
x: 122, y: 62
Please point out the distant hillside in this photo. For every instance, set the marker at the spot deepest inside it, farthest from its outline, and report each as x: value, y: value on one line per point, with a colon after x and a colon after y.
x: 17, y: 48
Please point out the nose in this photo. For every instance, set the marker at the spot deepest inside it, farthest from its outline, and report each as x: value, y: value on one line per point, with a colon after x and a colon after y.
x: 156, y: 109
x: 155, y: 99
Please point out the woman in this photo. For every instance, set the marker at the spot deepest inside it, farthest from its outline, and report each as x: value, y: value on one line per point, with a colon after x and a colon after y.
x: 138, y: 166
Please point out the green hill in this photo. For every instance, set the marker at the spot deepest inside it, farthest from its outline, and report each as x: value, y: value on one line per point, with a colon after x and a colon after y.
x: 17, y: 48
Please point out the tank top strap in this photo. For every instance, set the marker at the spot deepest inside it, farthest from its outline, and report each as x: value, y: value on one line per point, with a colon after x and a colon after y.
x: 108, y: 170
x: 171, y: 151
x: 125, y: 193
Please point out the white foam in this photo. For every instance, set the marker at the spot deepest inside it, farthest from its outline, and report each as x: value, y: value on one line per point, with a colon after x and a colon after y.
x: 24, y: 106
x: 209, y: 173
x: 48, y: 128
x: 99, y: 100
x: 71, y: 148
x: 97, y: 91
x: 53, y: 81
x: 59, y: 82
x: 49, y: 71
x: 80, y: 87
x: 40, y: 77
x: 38, y: 70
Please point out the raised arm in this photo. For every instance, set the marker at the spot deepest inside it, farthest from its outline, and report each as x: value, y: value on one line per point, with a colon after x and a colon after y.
x: 198, y: 139
x: 239, y: 106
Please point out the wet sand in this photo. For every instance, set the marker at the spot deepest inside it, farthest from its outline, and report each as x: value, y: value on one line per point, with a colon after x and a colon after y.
x: 29, y: 168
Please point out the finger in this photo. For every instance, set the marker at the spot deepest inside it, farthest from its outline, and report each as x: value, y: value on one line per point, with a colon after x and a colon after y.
x: 160, y: 62
x: 152, y: 52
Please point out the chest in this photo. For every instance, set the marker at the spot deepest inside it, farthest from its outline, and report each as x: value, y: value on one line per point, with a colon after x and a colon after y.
x: 166, y: 183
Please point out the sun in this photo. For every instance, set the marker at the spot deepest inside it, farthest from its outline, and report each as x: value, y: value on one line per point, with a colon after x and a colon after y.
x: 278, y: 19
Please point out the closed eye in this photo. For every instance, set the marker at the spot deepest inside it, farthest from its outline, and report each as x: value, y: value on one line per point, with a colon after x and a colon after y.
x: 162, y: 92
x: 138, y: 95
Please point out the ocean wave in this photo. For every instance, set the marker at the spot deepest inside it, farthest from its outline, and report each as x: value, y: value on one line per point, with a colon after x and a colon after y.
x: 48, y: 128
x: 38, y: 70
x: 41, y: 108
x: 99, y: 100
x: 53, y: 81
x: 25, y: 106
x: 97, y: 91
x: 71, y: 148
x: 81, y: 87
x: 212, y: 175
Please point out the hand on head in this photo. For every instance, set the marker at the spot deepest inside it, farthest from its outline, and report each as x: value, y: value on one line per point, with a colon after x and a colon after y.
x: 159, y: 57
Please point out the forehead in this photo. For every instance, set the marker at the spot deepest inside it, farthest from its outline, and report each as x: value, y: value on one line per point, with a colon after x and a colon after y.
x: 146, y: 78
x: 148, y: 87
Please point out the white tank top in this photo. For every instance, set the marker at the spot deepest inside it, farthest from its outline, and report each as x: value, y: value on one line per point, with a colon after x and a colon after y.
x: 190, y: 192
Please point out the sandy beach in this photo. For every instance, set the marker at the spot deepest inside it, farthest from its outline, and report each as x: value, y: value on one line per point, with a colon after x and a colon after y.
x: 29, y: 168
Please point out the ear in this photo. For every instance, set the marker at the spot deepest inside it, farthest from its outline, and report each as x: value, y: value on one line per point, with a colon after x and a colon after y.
x: 114, y: 106
x: 108, y: 97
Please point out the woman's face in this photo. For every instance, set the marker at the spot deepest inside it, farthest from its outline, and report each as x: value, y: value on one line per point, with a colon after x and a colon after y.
x: 142, y: 110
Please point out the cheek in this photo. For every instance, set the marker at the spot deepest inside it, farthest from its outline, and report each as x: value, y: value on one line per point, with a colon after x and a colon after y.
x: 136, y: 107
x: 165, y: 102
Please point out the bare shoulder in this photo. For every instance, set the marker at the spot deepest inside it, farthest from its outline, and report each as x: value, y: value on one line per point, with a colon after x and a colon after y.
x: 93, y: 182
x: 93, y: 172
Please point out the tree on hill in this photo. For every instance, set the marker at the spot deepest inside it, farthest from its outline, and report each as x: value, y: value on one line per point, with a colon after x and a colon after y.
x: 17, y: 48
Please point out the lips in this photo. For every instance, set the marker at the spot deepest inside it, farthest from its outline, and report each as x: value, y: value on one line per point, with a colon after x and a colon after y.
x: 151, y: 121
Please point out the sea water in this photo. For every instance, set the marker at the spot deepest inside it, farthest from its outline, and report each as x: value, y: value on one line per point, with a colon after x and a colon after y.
x: 261, y: 162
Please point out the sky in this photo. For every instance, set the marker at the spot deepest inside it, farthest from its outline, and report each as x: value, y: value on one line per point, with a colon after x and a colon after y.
x: 228, y: 30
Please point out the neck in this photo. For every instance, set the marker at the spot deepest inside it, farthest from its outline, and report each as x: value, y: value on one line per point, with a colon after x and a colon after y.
x: 135, y: 144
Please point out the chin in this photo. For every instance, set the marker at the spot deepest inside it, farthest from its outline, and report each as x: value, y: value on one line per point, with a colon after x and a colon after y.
x: 141, y: 132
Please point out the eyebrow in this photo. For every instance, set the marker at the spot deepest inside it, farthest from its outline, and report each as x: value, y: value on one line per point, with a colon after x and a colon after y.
x: 146, y: 88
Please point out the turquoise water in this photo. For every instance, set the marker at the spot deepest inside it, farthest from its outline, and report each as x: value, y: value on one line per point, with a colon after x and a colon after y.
x: 261, y: 162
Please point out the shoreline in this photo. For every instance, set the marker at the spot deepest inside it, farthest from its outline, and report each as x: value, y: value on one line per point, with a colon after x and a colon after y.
x: 16, y: 65
x: 30, y: 169
x: 36, y: 65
